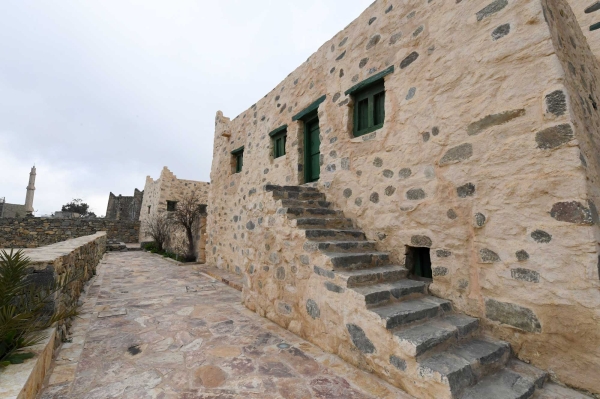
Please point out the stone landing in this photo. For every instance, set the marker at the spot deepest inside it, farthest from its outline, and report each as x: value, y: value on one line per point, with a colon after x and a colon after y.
x: 150, y: 329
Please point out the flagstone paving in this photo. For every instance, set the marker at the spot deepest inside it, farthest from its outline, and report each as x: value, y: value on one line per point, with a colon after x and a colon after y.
x: 152, y: 329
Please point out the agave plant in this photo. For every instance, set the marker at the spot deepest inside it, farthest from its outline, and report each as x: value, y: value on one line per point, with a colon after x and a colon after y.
x: 26, y: 309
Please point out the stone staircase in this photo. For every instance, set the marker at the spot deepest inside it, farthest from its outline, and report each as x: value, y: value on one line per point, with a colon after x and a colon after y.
x: 448, y: 347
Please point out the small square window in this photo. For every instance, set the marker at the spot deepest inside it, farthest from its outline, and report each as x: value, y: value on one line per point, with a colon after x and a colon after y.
x: 369, y: 109
x: 171, y: 205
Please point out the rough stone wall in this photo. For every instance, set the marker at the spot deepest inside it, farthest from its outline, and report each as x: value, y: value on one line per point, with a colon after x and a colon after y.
x: 12, y: 210
x: 169, y: 188
x: 480, y: 153
x: 124, y: 208
x: 36, y: 232
x: 586, y: 20
x: 78, y: 257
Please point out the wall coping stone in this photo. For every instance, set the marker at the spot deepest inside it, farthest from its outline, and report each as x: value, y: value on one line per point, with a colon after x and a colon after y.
x: 24, y: 381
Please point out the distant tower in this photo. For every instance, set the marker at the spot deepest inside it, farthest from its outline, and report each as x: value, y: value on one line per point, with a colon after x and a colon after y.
x: 30, y: 192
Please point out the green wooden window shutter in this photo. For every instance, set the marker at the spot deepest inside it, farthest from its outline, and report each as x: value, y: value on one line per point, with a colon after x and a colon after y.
x: 239, y: 162
x: 238, y: 157
x: 369, y: 108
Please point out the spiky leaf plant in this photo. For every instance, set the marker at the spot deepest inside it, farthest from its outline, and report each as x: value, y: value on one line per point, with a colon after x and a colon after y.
x: 26, y: 309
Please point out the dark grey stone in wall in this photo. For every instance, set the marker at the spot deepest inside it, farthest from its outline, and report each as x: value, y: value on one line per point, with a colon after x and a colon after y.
x: 554, y: 136
x: 572, y: 212
x: 488, y: 256
x: 467, y: 190
x: 415, y: 194
x: 530, y: 276
x: 457, y: 154
x: 412, y: 57
x: 397, y: 362
x: 513, y: 315
x: 313, y: 309
x: 541, y: 236
x: 556, y: 103
x: 522, y: 255
x: 359, y: 339
x: 501, y: 31
x: 493, y: 120
x: 421, y: 241
x: 491, y: 9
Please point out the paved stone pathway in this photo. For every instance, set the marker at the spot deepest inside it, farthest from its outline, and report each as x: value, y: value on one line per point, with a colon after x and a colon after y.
x: 152, y: 329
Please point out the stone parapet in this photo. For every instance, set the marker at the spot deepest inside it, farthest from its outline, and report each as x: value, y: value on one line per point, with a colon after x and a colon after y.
x: 37, y: 232
x: 77, y: 257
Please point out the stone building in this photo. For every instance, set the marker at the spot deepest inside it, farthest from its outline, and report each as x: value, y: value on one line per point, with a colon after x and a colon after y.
x: 161, y: 195
x: 124, y: 207
x: 17, y: 210
x: 420, y: 197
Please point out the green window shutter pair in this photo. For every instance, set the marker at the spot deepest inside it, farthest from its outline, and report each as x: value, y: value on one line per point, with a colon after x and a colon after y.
x: 369, y: 109
x: 279, y: 137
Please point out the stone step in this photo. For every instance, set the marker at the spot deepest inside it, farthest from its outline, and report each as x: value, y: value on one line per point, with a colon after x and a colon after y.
x: 334, y: 235
x: 464, y: 365
x: 294, y: 203
x: 297, y: 212
x: 505, y: 384
x: 308, y: 195
x: 353, y: 261
x: 296, y: 189
x: 412, y: 310
x: 324, y: 222
x: 555, y: 391
x: 344, y: 246
x: 381, y: 293
x: 535, y: 375
x: 384, y: 274
x: 448, y: 329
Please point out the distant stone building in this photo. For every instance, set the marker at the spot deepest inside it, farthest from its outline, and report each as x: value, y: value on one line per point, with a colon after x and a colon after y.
x: 17, y: 210
x: 421, y: 197
x: 124, y: 207
x: 162, y: 195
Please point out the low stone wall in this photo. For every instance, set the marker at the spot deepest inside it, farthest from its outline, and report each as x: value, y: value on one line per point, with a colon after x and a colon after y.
x: 78, y: 256
x: 37, y: 232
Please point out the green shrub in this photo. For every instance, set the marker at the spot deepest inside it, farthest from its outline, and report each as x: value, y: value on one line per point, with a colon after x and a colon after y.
x: 24, y: 307
x: 151, y: 246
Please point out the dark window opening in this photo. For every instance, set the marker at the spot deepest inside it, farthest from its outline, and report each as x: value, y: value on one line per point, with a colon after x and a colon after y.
x: 149, y: 209
x: 369, y: 109
x: 171, y: 205
x: 418, y: 261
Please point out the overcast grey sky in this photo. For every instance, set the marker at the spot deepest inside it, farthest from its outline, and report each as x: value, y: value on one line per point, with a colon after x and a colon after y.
x: 100, y: 93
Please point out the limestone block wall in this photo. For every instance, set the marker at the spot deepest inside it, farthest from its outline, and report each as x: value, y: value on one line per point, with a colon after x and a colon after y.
x: 77, y: 257
x: 36, y: 232
x: 169, y: 188
x: 489, y: 148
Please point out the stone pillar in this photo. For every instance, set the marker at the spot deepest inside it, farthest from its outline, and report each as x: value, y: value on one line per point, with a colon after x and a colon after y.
x: 30, y: 192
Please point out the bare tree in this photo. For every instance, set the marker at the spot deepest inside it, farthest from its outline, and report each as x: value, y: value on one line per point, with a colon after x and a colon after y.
x: 186, y: 215
x: 159, y: 227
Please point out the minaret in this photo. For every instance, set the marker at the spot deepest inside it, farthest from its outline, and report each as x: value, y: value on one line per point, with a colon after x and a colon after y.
x: 30, y: 192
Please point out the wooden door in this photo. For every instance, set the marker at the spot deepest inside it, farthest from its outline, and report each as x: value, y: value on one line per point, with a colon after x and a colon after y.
x: 313, y: 150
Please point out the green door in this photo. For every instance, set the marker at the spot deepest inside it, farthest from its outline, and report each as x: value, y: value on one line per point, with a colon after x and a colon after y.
x: 313, y: 150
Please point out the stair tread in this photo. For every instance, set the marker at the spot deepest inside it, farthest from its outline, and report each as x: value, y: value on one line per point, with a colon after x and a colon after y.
x: 535, y: 375
x: 411, y: 310
x: 401, y: 284
x: 481, y: 351
x: 555, y: 391
x: 355, y: 254
x: 504, y: 384
x: 374, y: 270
